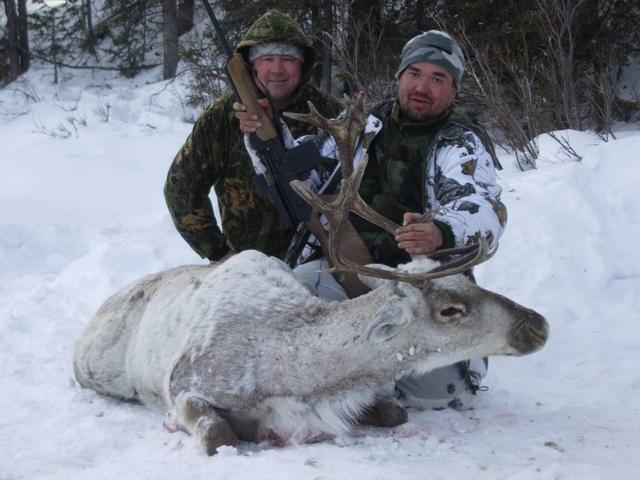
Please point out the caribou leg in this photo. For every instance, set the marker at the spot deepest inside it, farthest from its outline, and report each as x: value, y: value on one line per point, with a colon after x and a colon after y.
x: 199, y: 418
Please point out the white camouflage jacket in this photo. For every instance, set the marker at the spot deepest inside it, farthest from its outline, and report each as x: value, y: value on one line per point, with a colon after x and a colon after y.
x: 460, y: 182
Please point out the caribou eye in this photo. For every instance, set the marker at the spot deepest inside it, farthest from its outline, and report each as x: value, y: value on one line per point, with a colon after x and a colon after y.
x: 451, y: 311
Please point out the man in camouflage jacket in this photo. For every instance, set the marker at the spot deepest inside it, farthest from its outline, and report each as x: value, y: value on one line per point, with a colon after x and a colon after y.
x: 427, y: 156
x: 214, y: 154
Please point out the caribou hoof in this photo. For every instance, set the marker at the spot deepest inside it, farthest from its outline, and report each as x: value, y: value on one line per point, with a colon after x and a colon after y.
x: 213, y: 433
x: 384, y: 413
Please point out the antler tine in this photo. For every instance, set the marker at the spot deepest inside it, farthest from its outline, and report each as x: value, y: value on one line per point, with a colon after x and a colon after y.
x: 345, y: 129
x: 318, y: 202
x: 426, y: 217
x: 448, y: 252
x: 353, y: 201
x: 477, y: 254
x: 363, y: 210
x: 312, y: 118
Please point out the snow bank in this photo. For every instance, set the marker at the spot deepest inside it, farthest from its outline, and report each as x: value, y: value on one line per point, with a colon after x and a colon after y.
x: 82, y: 216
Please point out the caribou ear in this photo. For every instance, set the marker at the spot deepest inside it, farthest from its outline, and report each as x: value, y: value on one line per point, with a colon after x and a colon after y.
x: 388, y: 322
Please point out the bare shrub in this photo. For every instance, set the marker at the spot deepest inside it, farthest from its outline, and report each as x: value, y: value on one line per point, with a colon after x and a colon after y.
x: 370, y: 70
x: 558, y: 18
x: 62, y: 130
x: 565, y: 145
x: 363, y: 71
x: 27, y: 90
x: 103, y: 112
x: 513, y: 109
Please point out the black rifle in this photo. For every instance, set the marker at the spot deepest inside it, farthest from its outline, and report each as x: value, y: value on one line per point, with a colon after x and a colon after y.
x: 282, y: 165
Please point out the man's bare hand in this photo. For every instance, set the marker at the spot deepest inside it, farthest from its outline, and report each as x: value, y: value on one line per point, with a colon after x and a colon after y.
x: 418, y: 238
x: 249, y: 122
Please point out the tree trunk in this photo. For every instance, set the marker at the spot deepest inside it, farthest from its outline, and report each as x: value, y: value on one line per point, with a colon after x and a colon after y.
x: 54, y: 44
x: 91, y: 38
x: 13, y: 37
x: 327, y: 45
x: 317, y: 37
x: 186, y: 10
x: 23, y: 27
x: 170, y: 38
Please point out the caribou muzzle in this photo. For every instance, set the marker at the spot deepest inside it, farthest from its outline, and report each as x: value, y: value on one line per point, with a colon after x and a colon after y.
x: 530, y: 334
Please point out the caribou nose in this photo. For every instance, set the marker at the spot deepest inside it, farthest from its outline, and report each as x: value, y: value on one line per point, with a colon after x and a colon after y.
x: 530, y: 334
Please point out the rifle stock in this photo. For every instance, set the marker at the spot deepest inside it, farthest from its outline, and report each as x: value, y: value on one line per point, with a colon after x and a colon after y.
x: 247, y: 92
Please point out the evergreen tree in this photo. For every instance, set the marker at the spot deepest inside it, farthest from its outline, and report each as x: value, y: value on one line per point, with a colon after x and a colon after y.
x: 64, y: 31
x: 135, y: 29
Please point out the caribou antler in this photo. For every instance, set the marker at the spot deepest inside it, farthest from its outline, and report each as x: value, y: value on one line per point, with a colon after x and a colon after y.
x: 346, y: 131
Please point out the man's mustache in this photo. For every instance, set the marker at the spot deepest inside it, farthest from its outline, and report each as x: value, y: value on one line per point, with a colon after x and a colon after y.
x: 421, y: 96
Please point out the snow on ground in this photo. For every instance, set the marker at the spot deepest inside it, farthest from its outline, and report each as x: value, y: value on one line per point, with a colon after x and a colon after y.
x: 82, y: 216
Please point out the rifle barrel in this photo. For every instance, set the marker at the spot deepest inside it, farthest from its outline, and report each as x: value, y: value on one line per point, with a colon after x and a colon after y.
x: 219, y: 32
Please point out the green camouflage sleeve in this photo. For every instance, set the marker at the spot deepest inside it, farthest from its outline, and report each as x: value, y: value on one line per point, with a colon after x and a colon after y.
x: 193, y: 172
x: 382, y: 245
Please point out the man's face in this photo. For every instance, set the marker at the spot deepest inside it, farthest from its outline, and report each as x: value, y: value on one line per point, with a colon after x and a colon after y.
x: 279, y: 74
x: 425, y: 91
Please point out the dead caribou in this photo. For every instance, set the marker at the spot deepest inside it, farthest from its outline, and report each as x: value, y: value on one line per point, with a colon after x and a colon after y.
x: 242, y: 350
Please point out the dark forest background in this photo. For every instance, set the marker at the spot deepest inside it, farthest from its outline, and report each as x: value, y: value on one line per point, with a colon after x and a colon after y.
x: 533, y: 67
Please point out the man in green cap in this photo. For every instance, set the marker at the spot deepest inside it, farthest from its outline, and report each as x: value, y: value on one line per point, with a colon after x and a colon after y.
x: 281, y: 58
x: 423, y: 155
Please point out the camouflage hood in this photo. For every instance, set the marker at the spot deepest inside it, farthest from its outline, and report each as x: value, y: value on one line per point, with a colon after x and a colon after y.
x: 275, y: 26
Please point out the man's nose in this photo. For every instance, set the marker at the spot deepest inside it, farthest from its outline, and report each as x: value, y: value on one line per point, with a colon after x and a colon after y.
x: 423, y: 86
x: 277, y: 66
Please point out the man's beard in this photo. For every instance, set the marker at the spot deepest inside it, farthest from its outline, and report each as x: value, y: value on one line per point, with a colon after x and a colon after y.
x: 413, y: 114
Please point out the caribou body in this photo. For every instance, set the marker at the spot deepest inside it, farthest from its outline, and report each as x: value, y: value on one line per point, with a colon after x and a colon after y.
x: 243, y: 351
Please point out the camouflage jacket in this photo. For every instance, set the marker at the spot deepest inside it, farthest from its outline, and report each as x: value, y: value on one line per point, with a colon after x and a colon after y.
x: 214, y: 156
x: 446, y: 165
